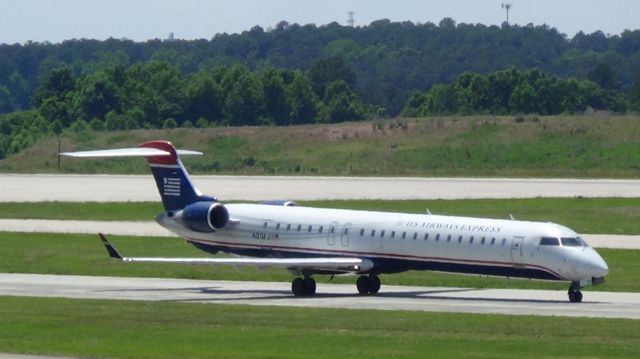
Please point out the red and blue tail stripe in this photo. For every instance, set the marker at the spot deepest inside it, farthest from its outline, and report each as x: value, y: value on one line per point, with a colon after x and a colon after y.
x: 172, y: 179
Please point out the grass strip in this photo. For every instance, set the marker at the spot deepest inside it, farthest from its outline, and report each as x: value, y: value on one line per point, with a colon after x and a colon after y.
x: 129, y: 329
x: 84, y: 255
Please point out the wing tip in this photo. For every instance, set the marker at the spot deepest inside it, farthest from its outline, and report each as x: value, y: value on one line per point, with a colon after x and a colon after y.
x: 113, y: 252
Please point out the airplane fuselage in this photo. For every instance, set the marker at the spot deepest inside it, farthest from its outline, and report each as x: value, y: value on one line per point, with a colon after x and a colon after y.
x: 396, y: 242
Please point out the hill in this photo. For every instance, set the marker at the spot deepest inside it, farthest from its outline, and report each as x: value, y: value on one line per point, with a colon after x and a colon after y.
x: 597, y: 145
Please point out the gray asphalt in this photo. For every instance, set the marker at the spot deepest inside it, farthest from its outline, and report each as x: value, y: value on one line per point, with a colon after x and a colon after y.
x: 153, y: 229
x: 430, y: 299
x: 107, y: 188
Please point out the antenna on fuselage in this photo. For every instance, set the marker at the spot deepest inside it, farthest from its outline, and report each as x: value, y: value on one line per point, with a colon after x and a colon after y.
x: 428, y: 211
x: 511, y: 217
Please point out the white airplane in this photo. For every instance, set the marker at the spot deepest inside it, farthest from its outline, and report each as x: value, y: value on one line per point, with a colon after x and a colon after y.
x: 309, y: 241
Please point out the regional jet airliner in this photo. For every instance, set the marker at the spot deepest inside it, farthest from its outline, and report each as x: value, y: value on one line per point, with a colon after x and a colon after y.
x: 317, y: 241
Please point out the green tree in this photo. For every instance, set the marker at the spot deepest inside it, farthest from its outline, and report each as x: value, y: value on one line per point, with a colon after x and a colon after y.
x: 342, y: 104
x: 97, y: 96
x: 203, y: 97
x: 523, y: 99
x: 329, y: 70
x: 57, y: 84
x: 303, y: 102
x: 6, y: 105
x: 243, y: 105
x: 276, y: 106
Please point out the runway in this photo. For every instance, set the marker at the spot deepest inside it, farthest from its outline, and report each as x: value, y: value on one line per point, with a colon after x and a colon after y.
x: 109, y: 188
x: 153, y: 229
x: 430, y: 299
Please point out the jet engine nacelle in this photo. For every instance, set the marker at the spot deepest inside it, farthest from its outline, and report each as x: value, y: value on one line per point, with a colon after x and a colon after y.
x: 204, y: 216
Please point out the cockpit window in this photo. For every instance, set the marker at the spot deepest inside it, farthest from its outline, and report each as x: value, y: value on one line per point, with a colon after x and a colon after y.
x: 582, y: 241
x: 570, y: 242
x: 549, y: 241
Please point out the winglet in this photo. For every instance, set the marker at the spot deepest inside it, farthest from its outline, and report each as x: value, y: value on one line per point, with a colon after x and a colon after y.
x: 113, y: 253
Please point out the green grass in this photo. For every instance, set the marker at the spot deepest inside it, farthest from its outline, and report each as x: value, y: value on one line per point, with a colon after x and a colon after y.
x: 585, y: 215
x: 596, y: 145
x: 128, y: 329
x: 85, y: 255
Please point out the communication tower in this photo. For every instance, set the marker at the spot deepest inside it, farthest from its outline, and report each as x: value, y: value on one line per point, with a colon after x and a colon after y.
x: 350, y: 20
x: 507, y: 6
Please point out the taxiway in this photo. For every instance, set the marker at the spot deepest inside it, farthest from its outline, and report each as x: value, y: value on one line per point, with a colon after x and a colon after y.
x: 113, y: 188
x: 465, y: 300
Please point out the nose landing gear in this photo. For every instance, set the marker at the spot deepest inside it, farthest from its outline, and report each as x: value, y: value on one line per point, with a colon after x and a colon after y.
x: 575, y: 295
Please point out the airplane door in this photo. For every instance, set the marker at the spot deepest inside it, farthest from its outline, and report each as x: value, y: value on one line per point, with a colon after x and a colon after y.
x: 344, y: 236
x: 333, y: 233
x: 516, y: 251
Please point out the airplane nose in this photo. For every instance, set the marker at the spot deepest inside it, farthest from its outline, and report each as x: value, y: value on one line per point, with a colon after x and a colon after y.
x: 598, y: 266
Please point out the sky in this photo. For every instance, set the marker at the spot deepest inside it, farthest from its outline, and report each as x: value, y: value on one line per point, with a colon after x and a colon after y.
x: 58, y: 20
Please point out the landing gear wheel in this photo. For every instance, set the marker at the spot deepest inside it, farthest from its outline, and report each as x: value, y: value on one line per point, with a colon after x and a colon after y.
x: 298, y: 287
x: 309, y: 286
x: 374, y: 284
x: 575, y: 295
x: 363, y: 284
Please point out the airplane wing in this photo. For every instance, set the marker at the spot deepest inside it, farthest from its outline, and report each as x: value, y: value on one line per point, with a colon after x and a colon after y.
x: 337, y: 264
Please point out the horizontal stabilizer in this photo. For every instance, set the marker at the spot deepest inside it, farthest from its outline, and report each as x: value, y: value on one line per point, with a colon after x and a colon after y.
x: 128, y: 152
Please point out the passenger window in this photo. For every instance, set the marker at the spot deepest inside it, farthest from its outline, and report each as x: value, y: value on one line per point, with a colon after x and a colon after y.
x: 346, y: 230
x: 437, y: 237
x: 265, y: 225
x: 362, y: 232
x: 299, y: 227
x: 393, y: 234
x: 320, y: 229
x: 471, y: 240
x: 288, y: 227
x: 426, y: 236
x: 373, y: 233
x: 382, y: 234
x: 570, y: 242
x: 404, y: 235
x: 482, y: 240
x: 549, y: 241
x: 504, y: 240
x: 277, y: 226
x: 310, y: 228
x: 449, y: 238
x: 493, y: 240
x: 415, y: 236
x: 460, y: 239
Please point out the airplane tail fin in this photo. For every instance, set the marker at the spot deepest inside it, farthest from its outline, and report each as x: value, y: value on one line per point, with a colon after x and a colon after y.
x: 173, y: 182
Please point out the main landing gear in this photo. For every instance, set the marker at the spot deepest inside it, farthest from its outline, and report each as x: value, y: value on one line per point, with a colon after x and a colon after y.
x: 303, y: 286
x: 306, y: 286
x: 575, y: 295
x: 368, y: 284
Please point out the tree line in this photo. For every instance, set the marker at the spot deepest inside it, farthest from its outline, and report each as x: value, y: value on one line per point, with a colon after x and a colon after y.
x: 515, y: 92
x: 156, y: 95
x: 389, y: 60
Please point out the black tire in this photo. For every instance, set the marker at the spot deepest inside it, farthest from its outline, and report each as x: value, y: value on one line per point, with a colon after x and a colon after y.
x: 575, y: 296
x: 309, y: 286
x: 374, y: 284
x: 363, y: 284
x: 298, y: 287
